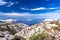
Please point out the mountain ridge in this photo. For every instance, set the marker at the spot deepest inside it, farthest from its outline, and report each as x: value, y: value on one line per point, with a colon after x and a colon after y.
x: 22, y: 31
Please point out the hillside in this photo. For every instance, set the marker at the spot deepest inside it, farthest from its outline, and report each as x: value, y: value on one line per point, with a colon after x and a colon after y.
x: 49, y: 29
x: 49, y: 26
x: 7, y: 30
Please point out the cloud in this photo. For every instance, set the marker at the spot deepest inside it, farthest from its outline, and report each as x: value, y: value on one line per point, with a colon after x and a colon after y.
x: 18, y: 14
x: 10, y: 14
x: 29, y: 16
x: 2, y: 2
x: 52, y: 8
x: 10, y: 20
x: 10, y: 4
x: 40, y: 8
x: 24, y: 8
x: 51, y: 15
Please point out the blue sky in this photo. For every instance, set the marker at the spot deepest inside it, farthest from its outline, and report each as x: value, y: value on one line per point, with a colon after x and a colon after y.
x: 29, y: 11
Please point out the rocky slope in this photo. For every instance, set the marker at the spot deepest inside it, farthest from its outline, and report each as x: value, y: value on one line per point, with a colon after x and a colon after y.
x: 51, y: 27
x: 7, y: 30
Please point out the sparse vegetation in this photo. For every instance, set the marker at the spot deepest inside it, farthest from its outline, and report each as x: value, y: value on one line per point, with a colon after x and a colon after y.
x: 42, y: 36
x: 11, y: 30
x: 51, y: 33
x: 57, y: 28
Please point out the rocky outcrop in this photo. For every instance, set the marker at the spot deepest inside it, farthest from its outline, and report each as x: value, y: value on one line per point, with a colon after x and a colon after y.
x: 7, y: 30
x: 20, y: 31
x: 5, y: 35
x: 46, y: 26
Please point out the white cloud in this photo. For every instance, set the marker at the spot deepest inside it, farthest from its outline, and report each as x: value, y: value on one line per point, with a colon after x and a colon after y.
x: 17, y: 14
x: 40, y: 8
x: 10, y: 4
x: 2, y: 2
x: 24, y: 8
x: 52, y: 8
x: 10, y: 20
x: 10, y: 14
x: 51, y: 15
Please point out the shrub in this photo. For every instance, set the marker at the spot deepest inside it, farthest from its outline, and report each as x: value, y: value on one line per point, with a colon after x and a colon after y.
x: 42, y: 36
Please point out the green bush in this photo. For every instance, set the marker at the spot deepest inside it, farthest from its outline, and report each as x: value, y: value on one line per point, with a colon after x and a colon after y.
x: 42, y: 36
x: 56, y: 28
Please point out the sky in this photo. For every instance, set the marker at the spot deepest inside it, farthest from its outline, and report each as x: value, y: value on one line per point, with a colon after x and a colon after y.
x: 29, y: 11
